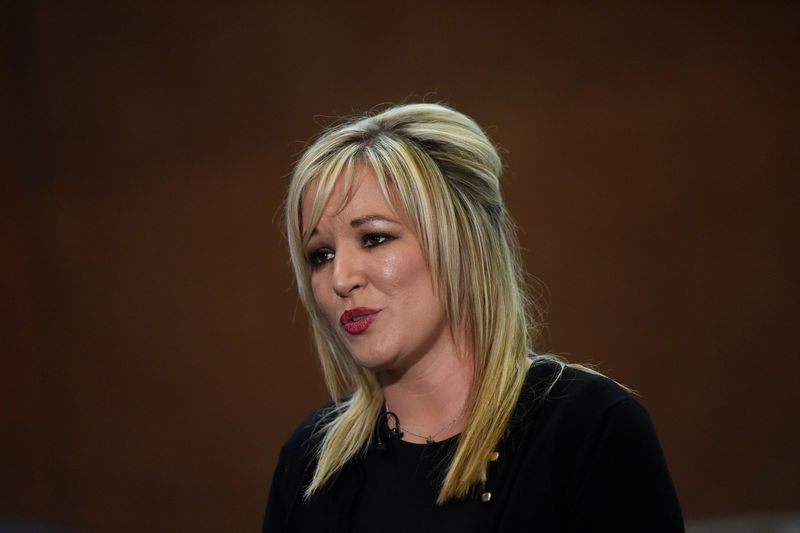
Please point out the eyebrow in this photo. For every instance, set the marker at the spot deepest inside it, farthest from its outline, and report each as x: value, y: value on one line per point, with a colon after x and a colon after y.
x: 360, y: 221
x: 356, y: 222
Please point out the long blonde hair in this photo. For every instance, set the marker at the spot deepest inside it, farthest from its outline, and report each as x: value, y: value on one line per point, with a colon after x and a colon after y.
x: 444, y: 172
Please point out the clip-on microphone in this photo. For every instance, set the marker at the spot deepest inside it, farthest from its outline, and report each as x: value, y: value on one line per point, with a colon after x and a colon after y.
x: 383, y: 422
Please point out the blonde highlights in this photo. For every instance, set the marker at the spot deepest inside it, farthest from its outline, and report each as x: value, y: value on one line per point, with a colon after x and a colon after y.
x: 439, y: 167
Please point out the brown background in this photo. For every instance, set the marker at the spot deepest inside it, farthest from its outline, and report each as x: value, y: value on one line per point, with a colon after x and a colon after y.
x: 154, y: 353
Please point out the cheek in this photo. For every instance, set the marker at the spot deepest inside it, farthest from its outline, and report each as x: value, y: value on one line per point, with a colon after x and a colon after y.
x: 406, y: 271
x: 393, y: 273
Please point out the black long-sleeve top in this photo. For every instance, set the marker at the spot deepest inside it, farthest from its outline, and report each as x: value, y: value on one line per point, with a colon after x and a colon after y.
x: 584, y: 457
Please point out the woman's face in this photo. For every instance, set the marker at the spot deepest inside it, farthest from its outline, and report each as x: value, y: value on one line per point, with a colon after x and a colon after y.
x: 371, y: 280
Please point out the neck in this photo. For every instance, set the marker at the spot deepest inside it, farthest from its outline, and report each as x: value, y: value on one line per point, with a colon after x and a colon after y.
x: 430, y: 395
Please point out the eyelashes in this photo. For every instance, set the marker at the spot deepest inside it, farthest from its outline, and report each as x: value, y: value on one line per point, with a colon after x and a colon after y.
x: 319, y: 257
x: 371, y: 240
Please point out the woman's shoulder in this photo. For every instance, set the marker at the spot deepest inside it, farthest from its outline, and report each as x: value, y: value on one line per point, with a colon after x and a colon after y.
x: 596, y: 446
x: 572, y: 389
x: 577, y: 412
x: 306, y: 436
x: 297, y: 455
x: 295, y: 467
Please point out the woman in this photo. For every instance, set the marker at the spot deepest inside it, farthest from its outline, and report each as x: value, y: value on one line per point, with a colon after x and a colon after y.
x: 408, y: 264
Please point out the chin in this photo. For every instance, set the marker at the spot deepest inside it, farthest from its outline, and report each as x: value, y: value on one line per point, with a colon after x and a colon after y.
x: 374, y: 365
x: 373, y: 362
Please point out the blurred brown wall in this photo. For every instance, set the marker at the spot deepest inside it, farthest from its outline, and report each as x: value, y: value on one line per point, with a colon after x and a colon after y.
x: 154, y: 352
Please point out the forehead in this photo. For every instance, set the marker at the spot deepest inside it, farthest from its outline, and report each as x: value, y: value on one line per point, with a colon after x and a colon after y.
x: 356, y: 194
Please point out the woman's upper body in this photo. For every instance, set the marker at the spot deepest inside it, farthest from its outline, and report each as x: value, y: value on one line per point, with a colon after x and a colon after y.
x: 583, y: 457
x: 408, y: 264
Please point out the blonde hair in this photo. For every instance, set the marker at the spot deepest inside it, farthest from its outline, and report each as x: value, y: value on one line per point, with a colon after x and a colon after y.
x: 444, y: 172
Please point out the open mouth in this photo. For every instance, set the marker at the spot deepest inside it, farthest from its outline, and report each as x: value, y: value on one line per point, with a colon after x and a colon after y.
x: 356, y: 321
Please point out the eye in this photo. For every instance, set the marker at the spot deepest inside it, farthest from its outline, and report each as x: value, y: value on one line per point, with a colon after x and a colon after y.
x: 371, y: 240
x: 319, y: 257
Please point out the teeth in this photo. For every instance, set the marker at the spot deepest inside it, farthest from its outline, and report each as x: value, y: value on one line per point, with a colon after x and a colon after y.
x: 359, y: 317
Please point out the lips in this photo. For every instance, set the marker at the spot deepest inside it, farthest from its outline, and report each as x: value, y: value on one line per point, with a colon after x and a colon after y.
x: 356, y: 321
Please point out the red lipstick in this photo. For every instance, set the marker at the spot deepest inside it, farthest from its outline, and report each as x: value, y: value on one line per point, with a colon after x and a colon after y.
x: 356, y: 321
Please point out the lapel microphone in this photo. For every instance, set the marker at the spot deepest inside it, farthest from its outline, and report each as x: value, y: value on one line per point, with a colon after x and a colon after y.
x: 383, y: 425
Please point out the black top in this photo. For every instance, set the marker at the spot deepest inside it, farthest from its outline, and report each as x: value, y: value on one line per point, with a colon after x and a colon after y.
x: 583, y: 458
x: 401, y: 485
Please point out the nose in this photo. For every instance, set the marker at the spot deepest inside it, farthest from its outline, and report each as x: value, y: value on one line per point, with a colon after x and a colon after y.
x: 348, y: 274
